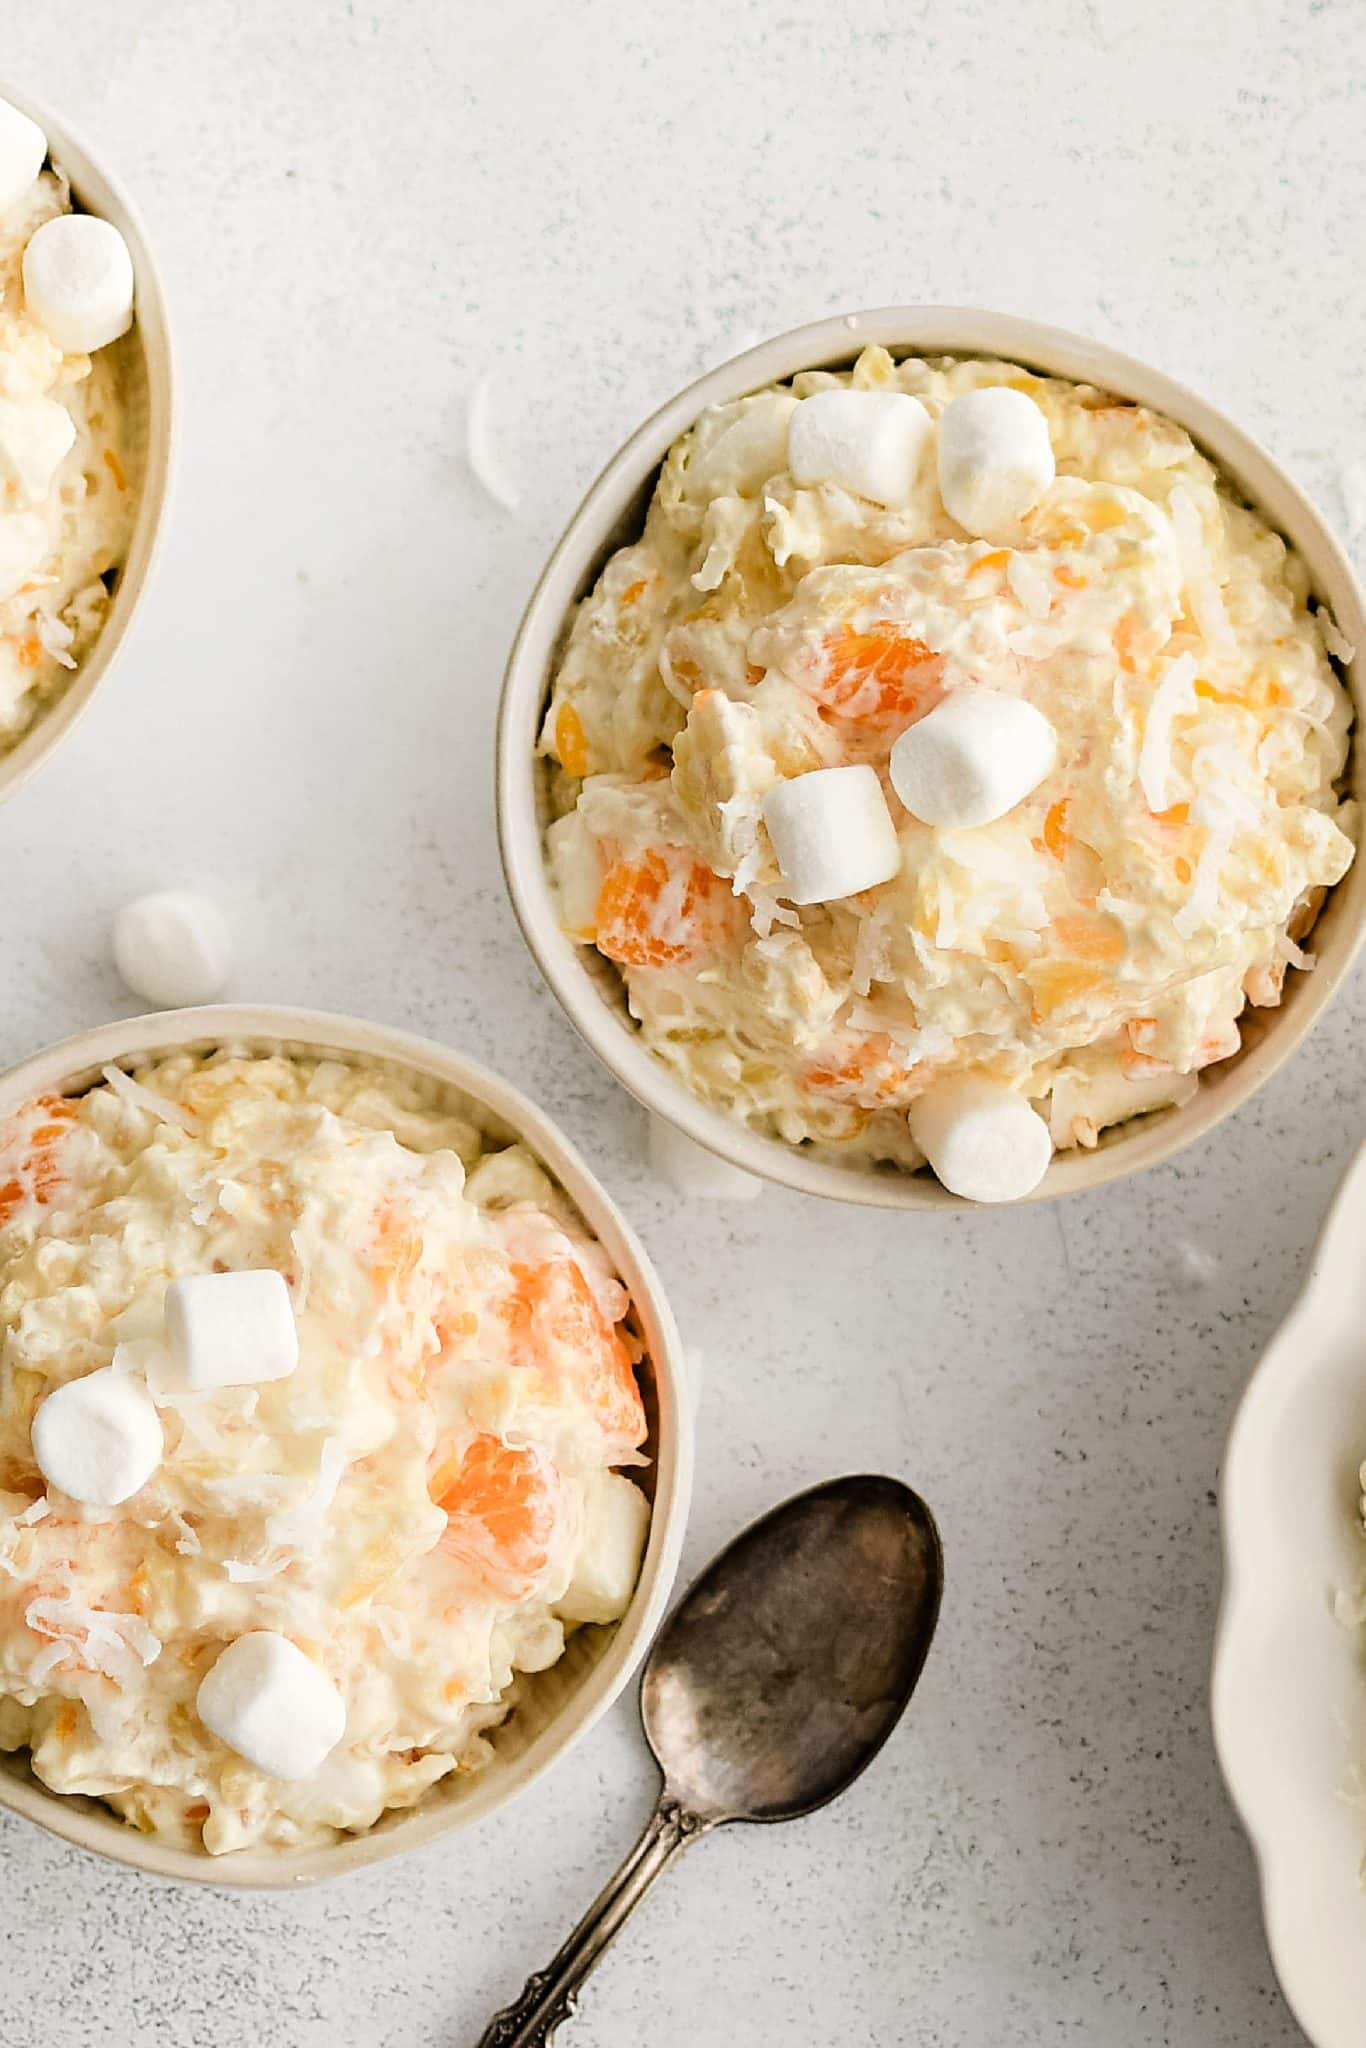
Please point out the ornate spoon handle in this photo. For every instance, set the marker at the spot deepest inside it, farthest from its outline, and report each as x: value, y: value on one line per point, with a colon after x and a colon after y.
x: 550, y: 1995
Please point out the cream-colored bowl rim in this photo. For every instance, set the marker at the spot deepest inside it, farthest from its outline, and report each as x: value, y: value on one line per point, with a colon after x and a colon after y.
x: 99, y: 192
x: 611, y: 514
x: 74, y: 1064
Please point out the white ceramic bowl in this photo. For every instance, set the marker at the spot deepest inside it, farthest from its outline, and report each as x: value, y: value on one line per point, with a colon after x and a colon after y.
x: 149, y: 395
x: 1289, y: 1690
x: 590, y: 989
x: 556, y: 1706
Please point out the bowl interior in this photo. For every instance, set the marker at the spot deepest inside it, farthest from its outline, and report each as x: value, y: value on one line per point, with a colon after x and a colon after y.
x: 553, y: 1707
x: 587, y: 986
x: 142, y: 361
x: 1289, y: 1691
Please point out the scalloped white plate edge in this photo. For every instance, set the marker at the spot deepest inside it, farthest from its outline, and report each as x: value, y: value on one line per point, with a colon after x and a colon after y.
x: 1288, y: 1694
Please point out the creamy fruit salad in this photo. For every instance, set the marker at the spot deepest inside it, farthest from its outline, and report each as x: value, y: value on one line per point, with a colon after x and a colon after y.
x: 313, y: 1404
x: 947, y: 765
x: 68, y: 467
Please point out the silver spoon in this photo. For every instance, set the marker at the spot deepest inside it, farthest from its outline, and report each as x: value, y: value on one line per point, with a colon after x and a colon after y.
x: 775, y: 1681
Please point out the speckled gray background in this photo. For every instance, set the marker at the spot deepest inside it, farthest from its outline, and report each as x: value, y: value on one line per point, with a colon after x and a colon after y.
x: 360, y: 211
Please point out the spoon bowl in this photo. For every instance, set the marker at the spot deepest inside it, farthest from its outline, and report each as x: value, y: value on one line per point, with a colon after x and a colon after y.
x: 787, y: 1664
x: 774, y: 1683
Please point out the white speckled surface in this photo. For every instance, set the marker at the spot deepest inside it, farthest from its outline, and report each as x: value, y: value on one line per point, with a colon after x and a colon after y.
x: 352, y: 203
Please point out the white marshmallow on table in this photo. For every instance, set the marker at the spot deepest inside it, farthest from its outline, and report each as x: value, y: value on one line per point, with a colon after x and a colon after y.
x: 832, y: 833
x: 172, y: 948
x: 23, y: 148
x: 98, y: 1438
x: 868, y: 442
x: 995, y: 459
x: 271, y: 1704
x: 690, y: 1169
x: 36, y: 436
x: 982, y: 1139
x: 78, y: 282
x: 972, y: 759
x: 616, y: 1520
x: 231, y: 1329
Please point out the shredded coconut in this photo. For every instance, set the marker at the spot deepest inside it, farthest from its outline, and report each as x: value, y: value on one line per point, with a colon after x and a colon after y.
x: 144, y: 1098
x: 296, y: 1524
x: 1174, y: 695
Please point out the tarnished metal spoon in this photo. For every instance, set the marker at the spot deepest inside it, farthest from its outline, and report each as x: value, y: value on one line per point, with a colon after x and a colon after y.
x: 776, y: 1679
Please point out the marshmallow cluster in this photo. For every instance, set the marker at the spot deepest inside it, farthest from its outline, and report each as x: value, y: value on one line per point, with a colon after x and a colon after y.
x: 98, y: 1438
x: 231, y: 1329
x: 269, y: 1702
x: 995, y: 459
x: 23, y: 149
x: 972, y: 759
x: 78, y: 282
x: 867, y: 442
x: 172, y: 948
x: 982, y: 1139
x: 832, y: 833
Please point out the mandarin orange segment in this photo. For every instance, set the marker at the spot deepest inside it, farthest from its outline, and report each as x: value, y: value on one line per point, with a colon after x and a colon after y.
x: 571, y: 742
x: 503, y: 1504
x: 30, y: 1153
x: 1055, y: 832
x: 865, y: 1073
x: 553, y: 1314
x: 397, y: 1247
x: 664, y: 909
x: 881, y: 677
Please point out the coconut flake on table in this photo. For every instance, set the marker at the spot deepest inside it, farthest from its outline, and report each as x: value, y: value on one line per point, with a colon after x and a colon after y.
x: 34, y: 1512
x: 164, y: 1111
x: 479, y: 451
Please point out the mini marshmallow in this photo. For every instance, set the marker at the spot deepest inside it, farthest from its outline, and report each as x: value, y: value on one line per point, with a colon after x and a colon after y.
x: 98, y: 1438
x: 172, y: 948
x: 972, y: 759
x: 690, y: 1169
x: 616, y: 1519
x: 982, y: 1139
x: 868, y: 442
x: 78, y: 282
x: 231, y: 1329
x: 995, y: 459
x: 272, y: 1705
x: 36, y: 436
x: 23, y: 147
x: 832, y: 833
